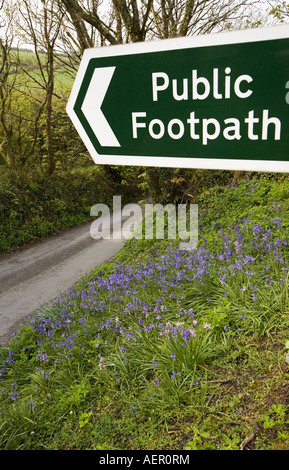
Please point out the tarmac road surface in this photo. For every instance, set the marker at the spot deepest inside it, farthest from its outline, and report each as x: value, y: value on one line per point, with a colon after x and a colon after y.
x: 35, y: 276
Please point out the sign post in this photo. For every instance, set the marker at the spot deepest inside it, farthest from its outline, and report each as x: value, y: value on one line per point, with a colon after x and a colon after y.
x: 218, y: 101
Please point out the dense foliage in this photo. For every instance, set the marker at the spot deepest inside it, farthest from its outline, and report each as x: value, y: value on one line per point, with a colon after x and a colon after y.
x: 34, y: 205
x: 162, y: 348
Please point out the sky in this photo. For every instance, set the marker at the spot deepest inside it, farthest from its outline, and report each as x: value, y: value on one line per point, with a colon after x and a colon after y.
x: 262, y: 5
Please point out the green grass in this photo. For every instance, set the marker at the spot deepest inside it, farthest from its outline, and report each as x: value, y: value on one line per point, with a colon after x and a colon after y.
x: 162, y: 349
x: 29, y: 63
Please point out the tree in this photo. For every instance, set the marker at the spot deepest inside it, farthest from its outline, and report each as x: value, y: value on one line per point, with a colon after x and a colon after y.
x: 124, y: 21
x: 42, y: 26
x: 19, y: 117
x: 6, y: 87
x: 280, y: 11
x: 120, y: 21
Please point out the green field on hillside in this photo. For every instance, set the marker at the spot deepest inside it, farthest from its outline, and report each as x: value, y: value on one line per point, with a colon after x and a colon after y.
x: 64, y: 75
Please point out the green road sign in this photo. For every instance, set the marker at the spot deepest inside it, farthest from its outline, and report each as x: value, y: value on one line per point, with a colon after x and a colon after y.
x: 218, y: 101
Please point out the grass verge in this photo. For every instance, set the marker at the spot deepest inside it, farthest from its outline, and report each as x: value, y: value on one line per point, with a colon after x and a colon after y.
x: 162, y: 348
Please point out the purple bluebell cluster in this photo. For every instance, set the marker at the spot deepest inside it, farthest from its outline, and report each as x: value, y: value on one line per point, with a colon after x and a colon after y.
x: 161, y: 313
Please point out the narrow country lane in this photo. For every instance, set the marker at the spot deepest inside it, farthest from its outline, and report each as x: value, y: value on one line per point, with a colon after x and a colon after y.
x: 35, y: 276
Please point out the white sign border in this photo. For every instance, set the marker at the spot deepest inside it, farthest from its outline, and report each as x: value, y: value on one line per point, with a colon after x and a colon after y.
x: 213, y: 39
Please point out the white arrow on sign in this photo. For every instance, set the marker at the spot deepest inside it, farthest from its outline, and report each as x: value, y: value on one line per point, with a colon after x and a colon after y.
x: 92, y: 103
